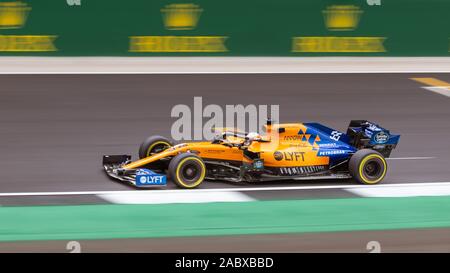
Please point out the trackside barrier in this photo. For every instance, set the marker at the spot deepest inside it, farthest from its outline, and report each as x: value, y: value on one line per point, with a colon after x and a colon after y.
x: 224, y: 28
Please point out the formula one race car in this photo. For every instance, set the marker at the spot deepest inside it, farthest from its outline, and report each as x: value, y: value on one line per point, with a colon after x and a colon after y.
x: 287, y: 151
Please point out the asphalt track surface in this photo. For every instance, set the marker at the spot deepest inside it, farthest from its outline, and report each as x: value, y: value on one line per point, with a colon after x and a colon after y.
x: 55, y: 128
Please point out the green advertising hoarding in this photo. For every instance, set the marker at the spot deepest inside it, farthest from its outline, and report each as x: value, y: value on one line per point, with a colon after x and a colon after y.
x: 224, y: 28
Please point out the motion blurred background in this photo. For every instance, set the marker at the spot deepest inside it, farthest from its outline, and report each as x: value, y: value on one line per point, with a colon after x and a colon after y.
x: 83, y: 78
x: 224, y: 28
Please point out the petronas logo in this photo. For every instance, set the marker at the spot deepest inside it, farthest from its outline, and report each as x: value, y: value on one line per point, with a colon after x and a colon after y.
x: 181, y: 16
x: 13, y: 14
x: 342, y: 17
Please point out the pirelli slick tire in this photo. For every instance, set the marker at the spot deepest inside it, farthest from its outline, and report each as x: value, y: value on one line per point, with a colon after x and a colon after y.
x: 187, y: 170
x: 368, y: 167
x: 152, y: 145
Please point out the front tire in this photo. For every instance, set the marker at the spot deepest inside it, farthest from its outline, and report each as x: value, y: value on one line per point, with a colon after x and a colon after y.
x: 152, y: 145
x: 368, y: 167
x: 187, y: 170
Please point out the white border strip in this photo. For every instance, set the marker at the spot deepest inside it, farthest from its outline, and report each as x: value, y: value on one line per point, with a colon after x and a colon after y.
x: 232, y: 189
x: 221, y: 65
x: 439, y: 190
x: 443, y: 90
x: 159, y: 197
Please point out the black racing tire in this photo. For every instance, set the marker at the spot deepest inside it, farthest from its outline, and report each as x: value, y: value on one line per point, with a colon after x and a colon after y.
x: 187, y: 170
x: 367, y: 167
x: 153, y: 144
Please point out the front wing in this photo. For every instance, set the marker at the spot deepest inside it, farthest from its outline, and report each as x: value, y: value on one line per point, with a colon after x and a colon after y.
x: 112, y: 165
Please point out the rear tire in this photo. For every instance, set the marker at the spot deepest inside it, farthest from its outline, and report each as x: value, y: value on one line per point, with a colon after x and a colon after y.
x: 187, y: 170
x: 368, y: 167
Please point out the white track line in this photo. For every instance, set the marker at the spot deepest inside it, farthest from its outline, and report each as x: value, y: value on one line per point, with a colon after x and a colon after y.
x: 443, y: 90
x: 224, y: 72
x: 436, y: 190
x: 221, y: 65
x: 157, y: 197
x: 233, y: 189
x: 411, y: 158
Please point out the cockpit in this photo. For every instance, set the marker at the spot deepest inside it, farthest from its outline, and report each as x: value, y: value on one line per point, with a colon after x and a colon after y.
x: 236, y: 139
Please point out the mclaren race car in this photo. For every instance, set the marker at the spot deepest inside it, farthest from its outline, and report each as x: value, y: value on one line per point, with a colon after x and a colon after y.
x: 294, y: 151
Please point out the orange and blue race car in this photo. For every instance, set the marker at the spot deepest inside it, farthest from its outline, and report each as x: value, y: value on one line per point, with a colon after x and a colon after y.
x: 293, y: 151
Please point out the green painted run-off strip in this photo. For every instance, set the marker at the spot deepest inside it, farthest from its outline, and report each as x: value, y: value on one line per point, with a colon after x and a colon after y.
x: 264, y: 217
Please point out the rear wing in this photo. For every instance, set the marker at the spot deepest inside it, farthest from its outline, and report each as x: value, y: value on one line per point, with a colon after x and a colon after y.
x: 364, y: 134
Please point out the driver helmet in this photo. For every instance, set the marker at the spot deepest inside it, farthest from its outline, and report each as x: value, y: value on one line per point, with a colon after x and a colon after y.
x: 253, y: 136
